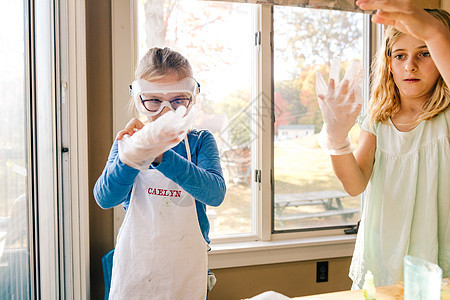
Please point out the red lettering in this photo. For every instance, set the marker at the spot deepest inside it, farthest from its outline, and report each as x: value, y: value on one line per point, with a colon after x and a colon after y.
x: 163, y: 192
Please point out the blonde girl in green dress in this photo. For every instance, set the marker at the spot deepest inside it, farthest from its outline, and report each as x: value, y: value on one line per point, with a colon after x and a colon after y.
x: 403, y: 157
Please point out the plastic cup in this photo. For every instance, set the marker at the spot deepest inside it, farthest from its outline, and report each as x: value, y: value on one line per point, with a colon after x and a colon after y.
x: 422, y: 279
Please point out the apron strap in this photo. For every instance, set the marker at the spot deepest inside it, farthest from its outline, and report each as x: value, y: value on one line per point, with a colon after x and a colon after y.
x: 188, y: 149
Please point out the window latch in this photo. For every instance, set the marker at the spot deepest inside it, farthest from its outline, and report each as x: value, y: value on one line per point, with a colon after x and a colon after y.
x: 258, y: 176
x: 257, y: 38
x: 353, y: 229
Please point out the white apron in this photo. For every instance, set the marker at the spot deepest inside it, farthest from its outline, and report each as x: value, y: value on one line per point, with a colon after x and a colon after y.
x: 160, y: 251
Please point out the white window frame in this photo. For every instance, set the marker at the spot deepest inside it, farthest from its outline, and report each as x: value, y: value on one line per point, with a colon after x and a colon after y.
x: 58, y: 78
x: 46, y: 227
x: 261, y: 247
x: 74, y: 185
x: 124, y: 61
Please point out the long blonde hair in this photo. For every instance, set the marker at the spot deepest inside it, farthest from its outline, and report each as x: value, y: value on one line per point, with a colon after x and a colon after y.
x: 385, y: 96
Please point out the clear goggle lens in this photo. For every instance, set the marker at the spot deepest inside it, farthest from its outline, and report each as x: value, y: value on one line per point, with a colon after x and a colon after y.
x: 151, y: 98
x: 154, y: 105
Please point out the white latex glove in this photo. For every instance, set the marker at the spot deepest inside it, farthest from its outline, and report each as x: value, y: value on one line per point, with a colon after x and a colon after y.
x: 340, y: 104
x: 211, y: 281
x: 141, y: 149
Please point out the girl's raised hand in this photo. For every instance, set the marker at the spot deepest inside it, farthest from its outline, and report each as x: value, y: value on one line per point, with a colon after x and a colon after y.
x: 132, y: 126
x: 404, y: 15
x: 340, y: 103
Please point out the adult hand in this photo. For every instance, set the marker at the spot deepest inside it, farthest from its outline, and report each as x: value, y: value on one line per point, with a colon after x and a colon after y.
x: 404, y: 15
x: 132, y: 126
x: 340, y: 104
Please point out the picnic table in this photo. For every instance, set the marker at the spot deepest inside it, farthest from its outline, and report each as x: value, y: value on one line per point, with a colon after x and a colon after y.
x: 330, y: 200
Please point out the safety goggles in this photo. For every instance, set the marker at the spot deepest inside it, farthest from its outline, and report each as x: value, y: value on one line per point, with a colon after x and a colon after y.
x: 150, y: 98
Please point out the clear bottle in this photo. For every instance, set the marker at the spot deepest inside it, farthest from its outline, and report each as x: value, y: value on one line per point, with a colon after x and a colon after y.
x: 369, y: 286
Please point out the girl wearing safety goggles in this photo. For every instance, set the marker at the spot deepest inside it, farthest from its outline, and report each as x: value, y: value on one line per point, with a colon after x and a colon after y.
x: 164, y: 174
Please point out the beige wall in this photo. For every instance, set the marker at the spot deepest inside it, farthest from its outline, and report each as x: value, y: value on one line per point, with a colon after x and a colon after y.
x: 98, y: 44
x: 290, y: 279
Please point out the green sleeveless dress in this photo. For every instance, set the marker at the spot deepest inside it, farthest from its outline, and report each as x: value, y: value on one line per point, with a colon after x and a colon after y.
x: 407, y: 201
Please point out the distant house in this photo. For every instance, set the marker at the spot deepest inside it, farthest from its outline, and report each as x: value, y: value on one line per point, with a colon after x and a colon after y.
x: 286, y: 132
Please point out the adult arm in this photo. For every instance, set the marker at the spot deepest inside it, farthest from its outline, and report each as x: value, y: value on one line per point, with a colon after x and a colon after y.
x: 411, y: 19
x: 203, y: 181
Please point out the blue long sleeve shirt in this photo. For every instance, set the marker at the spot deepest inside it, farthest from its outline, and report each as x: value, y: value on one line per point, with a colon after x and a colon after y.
x: 201, y: 177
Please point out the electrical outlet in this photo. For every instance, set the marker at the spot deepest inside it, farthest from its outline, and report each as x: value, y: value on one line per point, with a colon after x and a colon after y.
x: 322, y: 271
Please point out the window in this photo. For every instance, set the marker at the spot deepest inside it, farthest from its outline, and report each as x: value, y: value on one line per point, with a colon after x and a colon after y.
x: 15, y: 230
x: 217, y: 40
x: 38, y: 259
x: 307, y: 194
x: 256, y: 65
